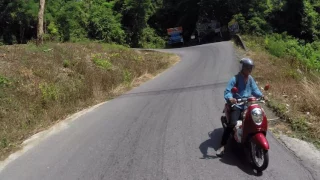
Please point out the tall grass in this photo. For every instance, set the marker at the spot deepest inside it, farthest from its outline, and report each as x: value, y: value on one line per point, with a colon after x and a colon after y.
x: 305, y: 55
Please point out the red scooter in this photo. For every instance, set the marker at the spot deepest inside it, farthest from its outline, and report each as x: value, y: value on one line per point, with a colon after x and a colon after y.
x: 251, y: 129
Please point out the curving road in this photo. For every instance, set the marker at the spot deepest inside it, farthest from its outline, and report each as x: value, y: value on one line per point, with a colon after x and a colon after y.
x: 156, y: 131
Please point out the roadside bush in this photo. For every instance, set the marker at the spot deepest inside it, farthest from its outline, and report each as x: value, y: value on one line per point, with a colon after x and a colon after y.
x: 4, y: 81
x: 151, y: 40
x: 282, y: 45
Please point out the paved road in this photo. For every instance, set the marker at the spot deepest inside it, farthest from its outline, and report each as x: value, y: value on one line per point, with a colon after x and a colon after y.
x: 156, y: 131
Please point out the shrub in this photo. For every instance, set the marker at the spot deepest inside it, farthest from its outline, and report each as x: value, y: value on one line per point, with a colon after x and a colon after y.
x: 151, y: 40
x: 281, y: 45
x: 102, y: 63
x: 4, y: 81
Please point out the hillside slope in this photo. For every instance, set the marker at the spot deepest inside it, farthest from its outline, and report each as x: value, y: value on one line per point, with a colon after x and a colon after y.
x: 39, y: 86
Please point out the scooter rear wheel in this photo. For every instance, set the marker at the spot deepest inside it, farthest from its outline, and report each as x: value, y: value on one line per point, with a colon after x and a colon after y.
x: 259, y: 157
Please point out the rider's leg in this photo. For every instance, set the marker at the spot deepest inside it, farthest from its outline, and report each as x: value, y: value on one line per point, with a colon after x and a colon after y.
x: 234, y: 117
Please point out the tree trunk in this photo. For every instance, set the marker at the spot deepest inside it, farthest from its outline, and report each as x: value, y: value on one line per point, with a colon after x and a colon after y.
x: 40, y: 22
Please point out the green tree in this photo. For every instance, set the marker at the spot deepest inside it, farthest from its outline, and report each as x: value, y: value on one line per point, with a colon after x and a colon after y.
x: 141, y: 22
x: 103, y: 24
x: 18, y: 21
x: 135, y: 15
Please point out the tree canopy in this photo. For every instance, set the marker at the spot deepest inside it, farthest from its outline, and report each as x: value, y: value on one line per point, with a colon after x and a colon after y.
x: 143, y: 23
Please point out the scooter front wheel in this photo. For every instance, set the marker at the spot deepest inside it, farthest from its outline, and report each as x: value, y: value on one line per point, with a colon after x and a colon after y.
x: 259, y: 157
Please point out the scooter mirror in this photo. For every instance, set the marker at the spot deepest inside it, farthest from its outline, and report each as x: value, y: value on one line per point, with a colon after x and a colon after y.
x: 267, y: 87
x: 234, y: 90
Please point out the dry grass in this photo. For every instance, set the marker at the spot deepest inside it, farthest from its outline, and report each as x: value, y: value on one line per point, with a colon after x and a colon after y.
x: 310, y: 96
x: 294, y: 94
x: 39, y: 86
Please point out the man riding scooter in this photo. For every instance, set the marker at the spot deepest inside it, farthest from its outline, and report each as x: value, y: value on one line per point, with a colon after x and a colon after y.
x: 247, y: 87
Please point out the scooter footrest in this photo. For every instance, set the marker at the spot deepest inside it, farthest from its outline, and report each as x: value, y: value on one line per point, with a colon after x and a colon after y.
x: 224, y: 125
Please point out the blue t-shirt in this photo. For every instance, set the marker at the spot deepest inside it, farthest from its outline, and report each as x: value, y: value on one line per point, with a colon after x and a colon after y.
x: 245, y: 90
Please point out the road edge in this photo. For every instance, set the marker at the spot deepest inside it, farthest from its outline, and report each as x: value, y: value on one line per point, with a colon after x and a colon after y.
x: 239, y: 42
x: 39, y: 137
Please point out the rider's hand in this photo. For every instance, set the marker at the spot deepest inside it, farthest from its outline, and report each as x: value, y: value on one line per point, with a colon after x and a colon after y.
x: 233, y: 100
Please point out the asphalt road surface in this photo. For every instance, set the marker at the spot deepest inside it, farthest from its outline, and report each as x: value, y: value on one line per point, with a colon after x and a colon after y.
x: 159, y: 130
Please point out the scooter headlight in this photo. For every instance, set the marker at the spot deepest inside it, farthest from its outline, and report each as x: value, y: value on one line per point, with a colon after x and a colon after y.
x: 256, y: 115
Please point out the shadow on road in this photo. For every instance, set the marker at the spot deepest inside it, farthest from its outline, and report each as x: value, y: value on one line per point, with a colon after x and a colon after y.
x: 234, y: 154
x: 213, y: 142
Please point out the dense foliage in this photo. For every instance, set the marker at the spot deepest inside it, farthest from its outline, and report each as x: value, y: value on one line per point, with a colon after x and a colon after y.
x: 306, y: 54
x: 118, y: 21
x: 143, y: 23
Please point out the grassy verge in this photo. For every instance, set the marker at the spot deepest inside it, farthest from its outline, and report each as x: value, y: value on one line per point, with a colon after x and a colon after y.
x: 295, y: 89
x: 41, y: 85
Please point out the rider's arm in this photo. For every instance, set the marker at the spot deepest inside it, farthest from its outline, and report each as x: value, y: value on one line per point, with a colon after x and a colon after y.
x: 227, y: 92
x: 255, y: 90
